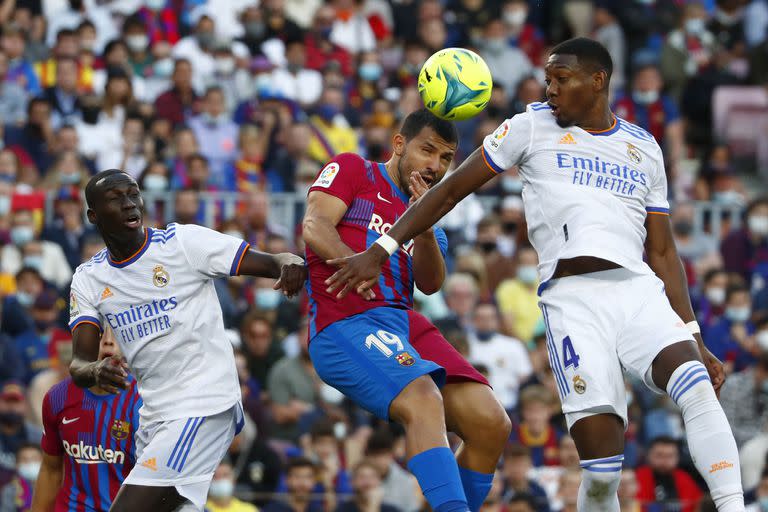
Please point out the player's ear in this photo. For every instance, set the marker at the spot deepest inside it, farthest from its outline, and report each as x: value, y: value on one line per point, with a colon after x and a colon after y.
x: 600, y: 80
x: 91, y: 216
x: 398, y: 144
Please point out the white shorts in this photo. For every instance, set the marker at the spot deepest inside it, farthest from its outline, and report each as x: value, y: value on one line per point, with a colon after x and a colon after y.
x: 599, y: 325
x: 184, y: 453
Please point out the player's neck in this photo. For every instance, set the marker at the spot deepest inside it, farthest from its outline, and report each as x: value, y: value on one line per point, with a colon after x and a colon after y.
x: 96, y: 390
x: 599, y: 119
x: 122, y: 247
x: 391, y: 167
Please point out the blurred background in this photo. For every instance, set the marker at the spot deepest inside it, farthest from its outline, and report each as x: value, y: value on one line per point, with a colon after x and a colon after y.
x: 225, y: 110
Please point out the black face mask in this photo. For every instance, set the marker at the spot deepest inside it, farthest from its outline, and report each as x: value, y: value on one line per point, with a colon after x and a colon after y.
x: 510, y: 227
x: 487, y: 247
x: 91, y: 115
x: 375, y: 151
x: 11, y: 419
x: 683, y: 227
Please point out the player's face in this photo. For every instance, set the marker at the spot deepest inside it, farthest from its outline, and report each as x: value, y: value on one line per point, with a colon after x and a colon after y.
x: 571, y: 90
x: 119, y: 206
x: 427, y: 153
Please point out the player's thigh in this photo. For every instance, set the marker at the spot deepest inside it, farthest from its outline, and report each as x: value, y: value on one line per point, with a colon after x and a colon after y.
x: 581, y: 331
x: 368, y: 358
x: 655, y: 341
x: 142, y: 497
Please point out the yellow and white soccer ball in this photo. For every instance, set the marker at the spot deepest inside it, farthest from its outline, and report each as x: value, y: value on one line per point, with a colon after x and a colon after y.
x: 455, y: 84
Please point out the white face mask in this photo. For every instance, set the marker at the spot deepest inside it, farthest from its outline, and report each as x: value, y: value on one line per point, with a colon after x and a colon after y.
x: 515, y: 17
x: 695, y: 26
x: 716, y: 296
x: 527, y: 274
x: 645, y: 97
x: 5, y: 205
x: 222, y: 488
x: 225, y: 66
x: 758, y: 224
x: 137, y: 43
x: 762, y: 340
x: 155, y: 183
x: 29, y: 471
x: 155, y: 5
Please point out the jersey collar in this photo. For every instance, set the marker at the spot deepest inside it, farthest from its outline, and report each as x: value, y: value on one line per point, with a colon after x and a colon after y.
x: 395, y: 189
x: 136, y: 255
x: 610, y: 131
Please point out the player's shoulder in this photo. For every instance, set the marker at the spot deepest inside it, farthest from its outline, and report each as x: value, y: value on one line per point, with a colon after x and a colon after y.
x: 639, y: 135
x: 97, y: 261
x: 56, y: 397
x: 350, y: 163
x: 163, y: 236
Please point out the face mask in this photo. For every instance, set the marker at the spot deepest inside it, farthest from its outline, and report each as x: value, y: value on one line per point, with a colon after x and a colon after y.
x: 33, y: 260
x: 209, y: 119
x: 340, y: 430
x: 370, y: 71
x: 487, y: 247
x: 225, y: 66
x: 22, y: 234
x: 267, y: 299
x: 25, y: 299
x: 730, y: 197
x: 204, y: 39
x: 484, y: 335
x: 737, y: 315
x: 29, y: 471
x: 11, y: 419
x: 137, y: 43
x: 155, y: 183
x: 5, y: 205
x: 509, y: 227
x: 528, y: 274
x: 512, y: 185
x: 327, y: 112
x: 69, y: 178
x: 293, y: 67
x: 645, y: 97
x: 763, y: 503
x: 87, y: 44
x: 221, y: 488
x: 516, y: 17
x: 235, y: 234
x: 255, y: 29
x: 155, y: 5
x: 43, y: 325
x: 762, y: 340
x: 495, y: 45
x: 716, y: 296
x: 163, y: 68
x: 695, y: 26
x: 331, y: 395
x: 91, y: 115
x: 758, y: 224
x: 630, y: 398
x: 683, y: 227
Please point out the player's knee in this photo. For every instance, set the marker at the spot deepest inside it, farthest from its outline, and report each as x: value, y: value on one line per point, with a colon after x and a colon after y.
x: 490, y: 424
x: 421, y: 399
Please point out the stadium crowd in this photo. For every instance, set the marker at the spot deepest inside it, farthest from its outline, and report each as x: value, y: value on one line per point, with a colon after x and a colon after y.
x: 220, y: 107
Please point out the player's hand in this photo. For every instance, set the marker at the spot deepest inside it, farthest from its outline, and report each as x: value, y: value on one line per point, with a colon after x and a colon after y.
x: 293, y: 274
x: 110, y: 374
x: 713, y: 364
x: 417, y: 186
x: 358, y: 272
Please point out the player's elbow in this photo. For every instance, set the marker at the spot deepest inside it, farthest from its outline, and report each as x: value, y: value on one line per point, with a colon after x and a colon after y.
x: 430, y: 286
x: 309, y: 229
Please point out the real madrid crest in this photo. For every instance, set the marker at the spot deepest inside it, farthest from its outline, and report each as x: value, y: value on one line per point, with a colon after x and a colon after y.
x: 634, y: 153
x: 160, y: 277
x: 579, y: 384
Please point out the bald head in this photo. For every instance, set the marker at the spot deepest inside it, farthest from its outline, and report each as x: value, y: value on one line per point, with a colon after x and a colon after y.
x: 103, y: 181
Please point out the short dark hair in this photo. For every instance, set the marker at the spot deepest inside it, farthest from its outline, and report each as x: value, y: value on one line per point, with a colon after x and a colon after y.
x: 668, y: 440
x: 591, y: 55
x: 322, y: 428
x: 516, y: 450
x: 298, y: 462
x: 734, y: 289
x: 712, y: 273
x: 90, y: 188
x: 420, y: 119
x: 380, y: 441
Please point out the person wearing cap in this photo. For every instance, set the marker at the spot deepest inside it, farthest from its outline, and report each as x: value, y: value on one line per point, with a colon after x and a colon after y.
x: 32, y: 344
x: 15, y: 431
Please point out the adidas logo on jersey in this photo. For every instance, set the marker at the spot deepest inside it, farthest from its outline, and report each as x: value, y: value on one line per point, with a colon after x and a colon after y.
x: 107, y: 293
x: 567, y: 139
x: 150, y: 464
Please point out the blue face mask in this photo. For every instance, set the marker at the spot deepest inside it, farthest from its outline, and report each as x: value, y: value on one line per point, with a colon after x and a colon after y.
x: 484, y: 335
x: 370, y: 71
x: 24, y: 298
x: 763, y: 503
x: 527, y: 274
x: 69, y: 178
x: 21, y: 235
x: 737, y: 315
x: 34, y: 260
x: 267, y: 299
x: 327, y: 111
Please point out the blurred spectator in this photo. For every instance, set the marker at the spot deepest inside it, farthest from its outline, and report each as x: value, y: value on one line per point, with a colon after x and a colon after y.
x: 534, y: 431
x: 16, y: 317
x: 187, y: 207
x: 745, y: 251
x: 68, y: 170
x: 711, y: 304
x: 756, y: 23
x: 730, y: 339
x: 761, y: 496
x: 351, y: 29
x: 691, y: 246
x: 68, y: 230
x: 568, y: 491
x: 12, y: 96
x: 516, y: 469
x: 745, y: 394
x: 331, y: 133
x: 258, y: 226
x: 628, y: 488
x: 508, y: 64
x: 17, y: 495
x: 518, y: 503
x: 661, y: 480
x: 300, y: 478
x: 320, y: 49
x: 498, y: 267
x: 220, y: 493
x: 178, y: 104
x: 25, y: 250
x: 63, y: 96
x: 517, y: 298
x: 608, y: 31
x: 36, y: 135
x: 11, y: 365
x: 261, y: 351
x: 296, y: 81
x: 32, y: 344
x: 77, y: 12
x: 521, y: 33
x: 15, y: 432
x: 368, y: 493
x: 324, y: 450
x: 401, y: 490
x: 461, y: 296
x: 215, y: 133
x: 20, y: 69
x: 506, y: 358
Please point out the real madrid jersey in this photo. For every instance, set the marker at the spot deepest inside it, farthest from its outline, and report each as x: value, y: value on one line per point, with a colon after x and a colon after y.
x: 585, y: 193
x: 162, y: 306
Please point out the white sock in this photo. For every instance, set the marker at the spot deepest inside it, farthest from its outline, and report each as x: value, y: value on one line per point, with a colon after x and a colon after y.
x: 599, y: 482
x: 709, y: 435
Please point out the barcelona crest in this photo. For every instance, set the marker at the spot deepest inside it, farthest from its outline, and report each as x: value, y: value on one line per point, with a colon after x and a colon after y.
x: 405, y: 359
x: 120, y: 429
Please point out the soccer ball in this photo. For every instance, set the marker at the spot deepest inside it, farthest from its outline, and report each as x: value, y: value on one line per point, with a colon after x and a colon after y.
x: 455, y: 84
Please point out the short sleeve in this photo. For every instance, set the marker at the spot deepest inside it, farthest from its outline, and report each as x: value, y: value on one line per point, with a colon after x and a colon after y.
x: 341, y: 177
x: 51, y: 441
x: 656, y: 200
x: 81, y: 309
x: 442, y: 241
x: 211, y: 253
x: 508, y: 145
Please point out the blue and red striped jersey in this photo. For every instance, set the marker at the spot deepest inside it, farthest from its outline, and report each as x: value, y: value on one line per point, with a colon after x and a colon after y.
x: 374, y: 202
x: 95, y: 436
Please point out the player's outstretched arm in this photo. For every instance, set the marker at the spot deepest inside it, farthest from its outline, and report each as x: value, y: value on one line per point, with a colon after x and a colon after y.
x: 48, y: 483
x: 665, y: 262
x: 86, y: 370
x: 360, y: 271
x: 287, y: 268
x: 428, y: 262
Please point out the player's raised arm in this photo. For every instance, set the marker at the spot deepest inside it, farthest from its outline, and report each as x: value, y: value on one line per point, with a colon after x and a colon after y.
x: 363, y: 269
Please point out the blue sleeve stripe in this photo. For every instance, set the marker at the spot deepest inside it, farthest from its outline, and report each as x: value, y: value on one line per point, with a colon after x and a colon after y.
x: 490, y: 163
x: 239, y: 255
x: 656, y: 209
x: 84, y: 320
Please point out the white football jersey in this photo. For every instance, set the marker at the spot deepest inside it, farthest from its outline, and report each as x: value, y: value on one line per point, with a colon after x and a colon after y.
x: 162, y: 306
x: 585, y: 193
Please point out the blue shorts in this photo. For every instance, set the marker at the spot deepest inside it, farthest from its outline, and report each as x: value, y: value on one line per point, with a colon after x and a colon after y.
x: 370, y: 359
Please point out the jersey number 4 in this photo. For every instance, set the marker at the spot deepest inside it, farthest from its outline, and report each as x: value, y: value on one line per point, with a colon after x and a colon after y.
x: 570, y: 357
x: 382, y: 340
